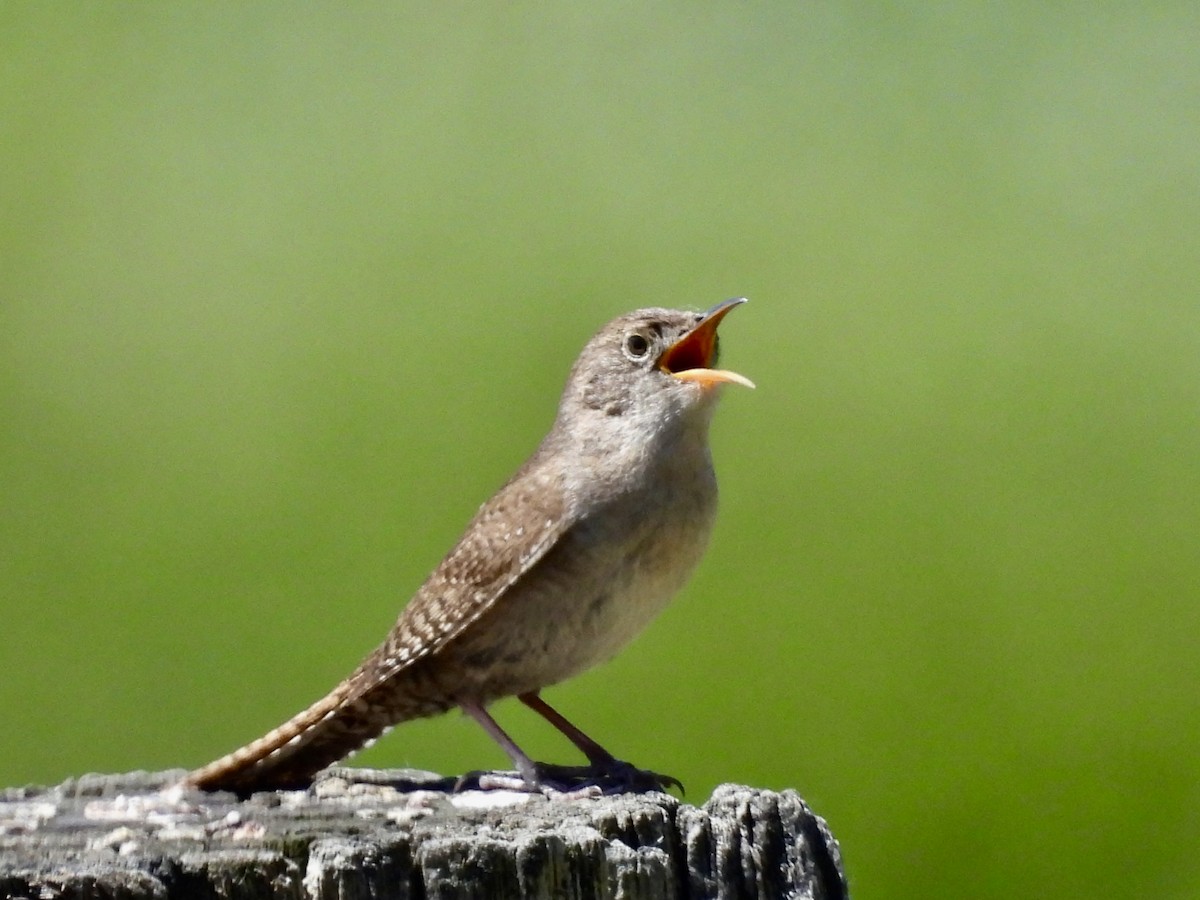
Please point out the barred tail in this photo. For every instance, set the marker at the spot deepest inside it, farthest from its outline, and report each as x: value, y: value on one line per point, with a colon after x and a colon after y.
x: 352, y: 715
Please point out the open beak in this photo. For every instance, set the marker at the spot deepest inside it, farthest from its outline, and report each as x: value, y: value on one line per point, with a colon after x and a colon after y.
x: 690, y: 357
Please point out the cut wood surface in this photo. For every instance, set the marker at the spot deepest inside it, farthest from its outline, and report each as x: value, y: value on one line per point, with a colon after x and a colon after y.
x: 362, y: 833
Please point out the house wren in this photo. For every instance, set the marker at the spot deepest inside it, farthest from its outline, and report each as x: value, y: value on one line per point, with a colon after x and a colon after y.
x: 570, y: 559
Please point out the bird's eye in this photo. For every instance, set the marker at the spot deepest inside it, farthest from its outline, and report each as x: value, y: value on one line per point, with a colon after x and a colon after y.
x: 637, y: 346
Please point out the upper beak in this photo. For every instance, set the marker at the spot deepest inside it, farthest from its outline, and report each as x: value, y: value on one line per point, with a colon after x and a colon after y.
x: 689, y: 358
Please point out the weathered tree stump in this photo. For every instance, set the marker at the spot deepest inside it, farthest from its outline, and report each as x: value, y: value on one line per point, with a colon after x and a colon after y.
x: 401, y: 834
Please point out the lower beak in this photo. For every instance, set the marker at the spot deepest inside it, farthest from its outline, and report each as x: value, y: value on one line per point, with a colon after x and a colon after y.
x: 689, y: 358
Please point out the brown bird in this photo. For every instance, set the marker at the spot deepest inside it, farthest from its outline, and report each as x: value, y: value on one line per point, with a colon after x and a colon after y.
x: 570, y: 559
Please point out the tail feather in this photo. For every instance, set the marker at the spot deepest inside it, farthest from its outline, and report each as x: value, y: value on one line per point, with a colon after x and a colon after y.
x: 287, y: 758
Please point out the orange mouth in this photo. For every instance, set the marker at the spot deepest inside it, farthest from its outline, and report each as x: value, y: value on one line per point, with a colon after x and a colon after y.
x: 690, y: 357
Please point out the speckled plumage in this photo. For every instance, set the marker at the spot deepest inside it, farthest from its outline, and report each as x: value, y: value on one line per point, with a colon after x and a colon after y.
x: 569, y: 560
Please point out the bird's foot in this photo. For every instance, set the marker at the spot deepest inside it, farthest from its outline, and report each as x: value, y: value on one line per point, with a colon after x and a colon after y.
x: 541, y: 782
x: 615, y: 776
x: 573, y: 782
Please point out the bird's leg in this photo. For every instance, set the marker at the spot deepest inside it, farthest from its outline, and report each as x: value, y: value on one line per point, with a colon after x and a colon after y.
x: 531, y: 776
x: 612, y: 774
x: 526, y: 767
x: 597, y: 755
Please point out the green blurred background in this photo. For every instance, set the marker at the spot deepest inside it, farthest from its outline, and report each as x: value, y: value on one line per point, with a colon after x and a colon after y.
x: 286, y: 292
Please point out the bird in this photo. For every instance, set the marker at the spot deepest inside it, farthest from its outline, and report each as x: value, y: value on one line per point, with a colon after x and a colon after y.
x: 570, y: 559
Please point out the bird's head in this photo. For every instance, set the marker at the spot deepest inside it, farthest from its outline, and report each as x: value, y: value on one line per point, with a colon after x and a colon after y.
x: 649, y: 371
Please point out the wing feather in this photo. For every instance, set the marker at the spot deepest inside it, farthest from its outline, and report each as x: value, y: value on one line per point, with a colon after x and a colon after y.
x: 508, y: 536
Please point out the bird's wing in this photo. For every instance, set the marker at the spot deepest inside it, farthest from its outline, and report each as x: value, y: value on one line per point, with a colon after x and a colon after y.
x: 508, y: 536
x: 493, y: 553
